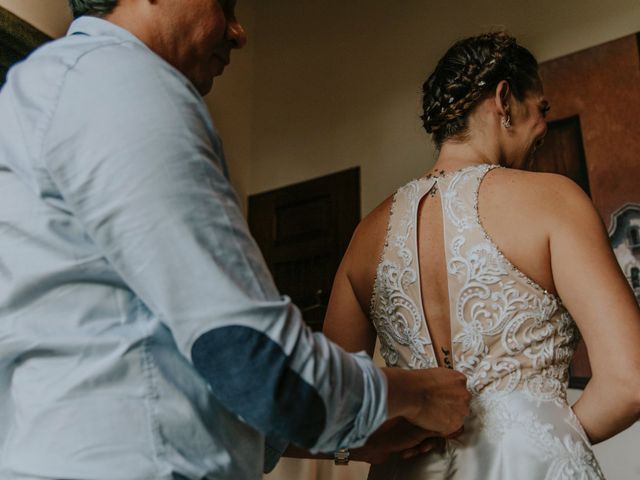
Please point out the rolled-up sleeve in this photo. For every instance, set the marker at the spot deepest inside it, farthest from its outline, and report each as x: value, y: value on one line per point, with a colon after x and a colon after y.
x: 136, y: 161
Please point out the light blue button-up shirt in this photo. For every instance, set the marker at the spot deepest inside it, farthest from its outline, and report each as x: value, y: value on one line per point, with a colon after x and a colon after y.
x: 141, y: 335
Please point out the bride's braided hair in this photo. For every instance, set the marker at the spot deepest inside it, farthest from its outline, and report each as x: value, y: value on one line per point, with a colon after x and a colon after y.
x: 470, y: 70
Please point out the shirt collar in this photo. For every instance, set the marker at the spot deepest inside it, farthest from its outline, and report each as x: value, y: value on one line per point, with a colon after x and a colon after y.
x: 95, y: 26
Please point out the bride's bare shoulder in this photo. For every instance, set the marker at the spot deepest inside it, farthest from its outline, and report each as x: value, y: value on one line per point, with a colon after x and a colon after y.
x: 368, y: 237
x: 360, y: 261
x: 378, y: 217
x: 525, y: 178
x: 536, y: 192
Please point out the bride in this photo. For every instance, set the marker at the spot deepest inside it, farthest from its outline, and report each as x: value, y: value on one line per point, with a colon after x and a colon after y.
x: 488, y: 269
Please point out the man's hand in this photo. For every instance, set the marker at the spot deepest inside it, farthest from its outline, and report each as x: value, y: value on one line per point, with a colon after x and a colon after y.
x: 434, y: 399
x: 437, y: 444
x: 393, y: 436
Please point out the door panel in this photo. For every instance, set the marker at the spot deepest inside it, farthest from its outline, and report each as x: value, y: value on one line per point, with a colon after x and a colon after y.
x: 563, y: 152
x: 303, y: 231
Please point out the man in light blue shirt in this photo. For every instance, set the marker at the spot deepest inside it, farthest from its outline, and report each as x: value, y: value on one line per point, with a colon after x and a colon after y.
x: 141, y: 335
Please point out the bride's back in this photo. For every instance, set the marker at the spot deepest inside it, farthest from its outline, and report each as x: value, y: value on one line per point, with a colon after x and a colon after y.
x: 513, y: 210
x: 445, y: 294
x: 462, y: 253
x: 516, y: 208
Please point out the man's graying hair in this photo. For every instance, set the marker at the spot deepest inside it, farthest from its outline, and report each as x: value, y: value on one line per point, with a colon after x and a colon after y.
x: 91, y: 7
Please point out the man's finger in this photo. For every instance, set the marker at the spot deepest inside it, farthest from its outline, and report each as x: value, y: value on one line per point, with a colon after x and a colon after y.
x: 456, y: 433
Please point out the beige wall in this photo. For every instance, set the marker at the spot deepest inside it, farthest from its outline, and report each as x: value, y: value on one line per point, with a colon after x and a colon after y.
x: 50, y: 16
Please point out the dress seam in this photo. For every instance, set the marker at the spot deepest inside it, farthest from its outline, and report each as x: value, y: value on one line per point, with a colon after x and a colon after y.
x: 382, y: 256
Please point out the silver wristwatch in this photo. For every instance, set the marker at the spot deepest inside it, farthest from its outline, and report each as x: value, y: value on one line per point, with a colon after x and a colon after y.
x: 341, y: 456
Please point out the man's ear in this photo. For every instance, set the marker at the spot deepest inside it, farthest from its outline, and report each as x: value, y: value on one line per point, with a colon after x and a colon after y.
x: 502, y: 98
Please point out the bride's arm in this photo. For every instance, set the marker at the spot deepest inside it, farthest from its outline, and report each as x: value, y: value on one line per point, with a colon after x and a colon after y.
x: 346, y: 321
x: 594, y: 290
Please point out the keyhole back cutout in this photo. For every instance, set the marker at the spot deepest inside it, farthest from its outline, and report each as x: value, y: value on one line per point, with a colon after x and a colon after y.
x: 432, y: 272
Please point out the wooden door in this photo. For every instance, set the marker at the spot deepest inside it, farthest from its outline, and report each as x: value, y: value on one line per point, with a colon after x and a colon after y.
x: 563, y: 152
x: 303, y: 231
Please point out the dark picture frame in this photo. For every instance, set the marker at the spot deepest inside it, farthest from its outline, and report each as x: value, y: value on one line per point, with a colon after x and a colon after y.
x: 17, y: 40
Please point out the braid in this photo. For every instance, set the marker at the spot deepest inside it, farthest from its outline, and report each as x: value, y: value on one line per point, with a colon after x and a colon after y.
x: 469, y: 71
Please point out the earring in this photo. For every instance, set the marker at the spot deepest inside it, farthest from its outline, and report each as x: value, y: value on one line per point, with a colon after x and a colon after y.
x: 506, y: 121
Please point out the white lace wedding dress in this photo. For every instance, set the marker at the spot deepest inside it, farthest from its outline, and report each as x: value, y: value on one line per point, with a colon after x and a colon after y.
x: 511, y: 338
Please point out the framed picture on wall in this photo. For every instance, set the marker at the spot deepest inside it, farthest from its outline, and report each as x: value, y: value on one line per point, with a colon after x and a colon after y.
x: 624, y: 233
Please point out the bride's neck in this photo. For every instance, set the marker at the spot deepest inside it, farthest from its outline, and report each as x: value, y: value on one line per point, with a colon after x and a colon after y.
x: 458, y: 155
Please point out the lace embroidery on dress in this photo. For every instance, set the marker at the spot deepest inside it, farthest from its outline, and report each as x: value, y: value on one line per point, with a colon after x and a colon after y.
x: 397, y: 317
x: 508, y: 333
x: 494, y: 306
x: 569, y: 458
x: 511, y: 338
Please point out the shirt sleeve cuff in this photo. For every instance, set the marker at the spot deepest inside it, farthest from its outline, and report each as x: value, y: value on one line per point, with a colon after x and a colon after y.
x: 373, y: 411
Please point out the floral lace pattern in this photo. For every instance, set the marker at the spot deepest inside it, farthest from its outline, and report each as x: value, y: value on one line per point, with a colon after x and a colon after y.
x: 569, y: 456
x: 509, y: 335
x: 396, y: 314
